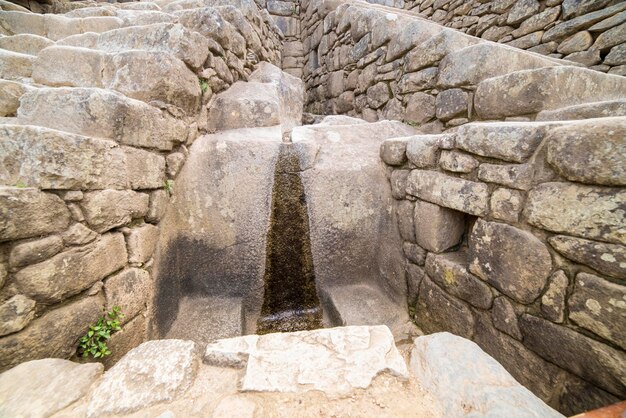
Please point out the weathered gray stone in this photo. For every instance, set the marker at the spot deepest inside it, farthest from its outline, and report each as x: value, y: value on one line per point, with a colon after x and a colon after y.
x: 101, y: 113
x: 573, y: 8
x: 537, y: 22
x: 28, y: 212
x: 25, y: 43
x: 121, y: 342
x: 506, y: 204
x: 107, y: 209
x: 512, y: 260
x: 457, y: 162
x: 586, y: 58
x: 167, y: 368
x: 451, y: 103
x: 145, y: 169
x: 590, y: 151
x: 434, y: 49
x: 420, y: 108
x: 393, y: 151
x: 599, y: 306
x: 174, y: 163
x: 61, y: 65
x: 514, y: 176
x: 451, y: 192
x: 571, y: 26
x: 617, y: 55
x: 575, y: 43
x: 508, y: 141
x: 505, y: 318
x: 72, y: 271
x: 528, y: 41
x: 471, y: 65
x: 406, y: 225
x: 78, y: 234
x: 15, y: 66
x: 336, y: 83
x: 398, y: 183
x: 378, y: 95
x: 436, y: 228
x: 587, y: 358
x: 436, y: 311
x: 414, y: 277
x: 583, y: 211
x: 521, y: 10
x: 609, y: 259
x: 421, y: 80
x: 52, y: 335
x: 156, y: 208
x: 414, y: 253
x: 34, y: 251
x: 553, y: 301
x: 52, y: 159
x: 141, y: 243
x: 412, y: 34
x: 10, y: 94
x: 610, y: 38
x: 544, y: 89
x: 449, y: 271
x: 128, y: 289
x: 465, y: 378
x: 423, y: 150
x: 44, y: 387
x: 15, y: 314
x: 586, y: 111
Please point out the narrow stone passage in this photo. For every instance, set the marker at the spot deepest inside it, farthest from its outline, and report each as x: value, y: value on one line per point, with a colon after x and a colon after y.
x: 291, y: 301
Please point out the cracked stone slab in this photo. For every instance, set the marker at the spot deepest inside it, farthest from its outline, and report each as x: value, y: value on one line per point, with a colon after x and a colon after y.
x: 335, y: 360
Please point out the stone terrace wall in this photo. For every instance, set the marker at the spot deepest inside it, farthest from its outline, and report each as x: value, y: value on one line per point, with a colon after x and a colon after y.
x: 97, y: 108
x: 515, y: 238
x: 377, y: 63
x: 592, y: 33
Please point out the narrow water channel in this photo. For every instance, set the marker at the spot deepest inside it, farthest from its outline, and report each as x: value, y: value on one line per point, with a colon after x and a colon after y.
x: 290, y: 302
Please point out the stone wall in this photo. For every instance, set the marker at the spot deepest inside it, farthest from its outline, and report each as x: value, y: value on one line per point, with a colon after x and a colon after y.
x: 516, y: 241
x: 97, y: 111
x: 592, y: 33
x: 377, y: 63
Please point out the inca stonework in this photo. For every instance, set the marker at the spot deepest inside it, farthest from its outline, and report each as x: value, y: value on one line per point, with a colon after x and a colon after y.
x: 460, y: 165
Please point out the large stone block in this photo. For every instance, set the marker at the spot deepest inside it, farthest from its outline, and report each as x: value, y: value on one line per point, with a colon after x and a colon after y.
x: 108, y: 209
x: 27, y: 212
x: 553, y: 301
x: 54, y: 334
x: 434, y: 49
x: 60, y: 65
x: 423, y: 150
x: 508, y: 141
x: 593, y: 151
x: 450, y: 272
x: 436, y: 311
x: 141, y: 243
x: 44, y: 387
x: 587, y: 358
x: 516, y: 176
x: 15, y: 314
x: 101, y: 113
x: 52, y: 159
x: 25, y: 43
x: 167, y: 369
x: 583, y: 211
x: 72, y: 271
x: 609, y: 259
x: 15, y: 66
x: 405, y: 215
x: 451, y: 192
x: 437, y: 228
x: 145, y: 169
x: 506, y: 204
x: 31, y: 252
x: 512, y: 260
x: 461, y: 375
x: 599, y: 306
x: 128, y: 289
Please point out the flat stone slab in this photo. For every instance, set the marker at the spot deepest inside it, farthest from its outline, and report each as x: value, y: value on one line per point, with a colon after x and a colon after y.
x: 361, y: 304
x: 335, y: 360
x: 206, y: 319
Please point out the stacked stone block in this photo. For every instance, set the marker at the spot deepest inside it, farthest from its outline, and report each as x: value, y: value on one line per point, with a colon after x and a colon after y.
x: 514, y: 238
x: 590, y: 33
x: 97, y: 110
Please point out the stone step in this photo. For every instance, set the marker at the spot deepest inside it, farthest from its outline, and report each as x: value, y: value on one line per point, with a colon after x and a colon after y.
x: 25, y: 43
x: 204, y: 319
x: 97, y: 113
x: 592, y: 110
x: 142, y: 75
x: 361, y: 304
x: 15, y: 66
x: 532, y: 91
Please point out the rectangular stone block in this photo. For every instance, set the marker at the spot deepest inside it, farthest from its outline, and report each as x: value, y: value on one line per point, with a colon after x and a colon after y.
x: 108, y: 209
x: 73, y: 271
x: 609, y: 259
x: 436, y: 228
x: 51, y: 159
x: 145, y: 170
x: 28, y: 212
x: 516, y: 176
x: 451, y: 192
x: 583, y: 211
x: 128, y: 289
x: 69, y: 66
x: 141, y: 243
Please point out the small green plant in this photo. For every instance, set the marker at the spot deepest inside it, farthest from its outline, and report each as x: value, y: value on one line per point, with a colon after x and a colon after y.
x: 94, y: 342
x: 169, y: 186
x: 204, y: 85
x: 20, y: 185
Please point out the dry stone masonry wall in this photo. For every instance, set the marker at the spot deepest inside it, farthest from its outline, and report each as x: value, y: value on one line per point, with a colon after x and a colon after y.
x: 98, y: 107
x: 591, y: 33
x: 514, y: 238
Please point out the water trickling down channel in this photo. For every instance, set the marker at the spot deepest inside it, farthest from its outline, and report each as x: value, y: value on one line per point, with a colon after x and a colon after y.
x: 291, y: 301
